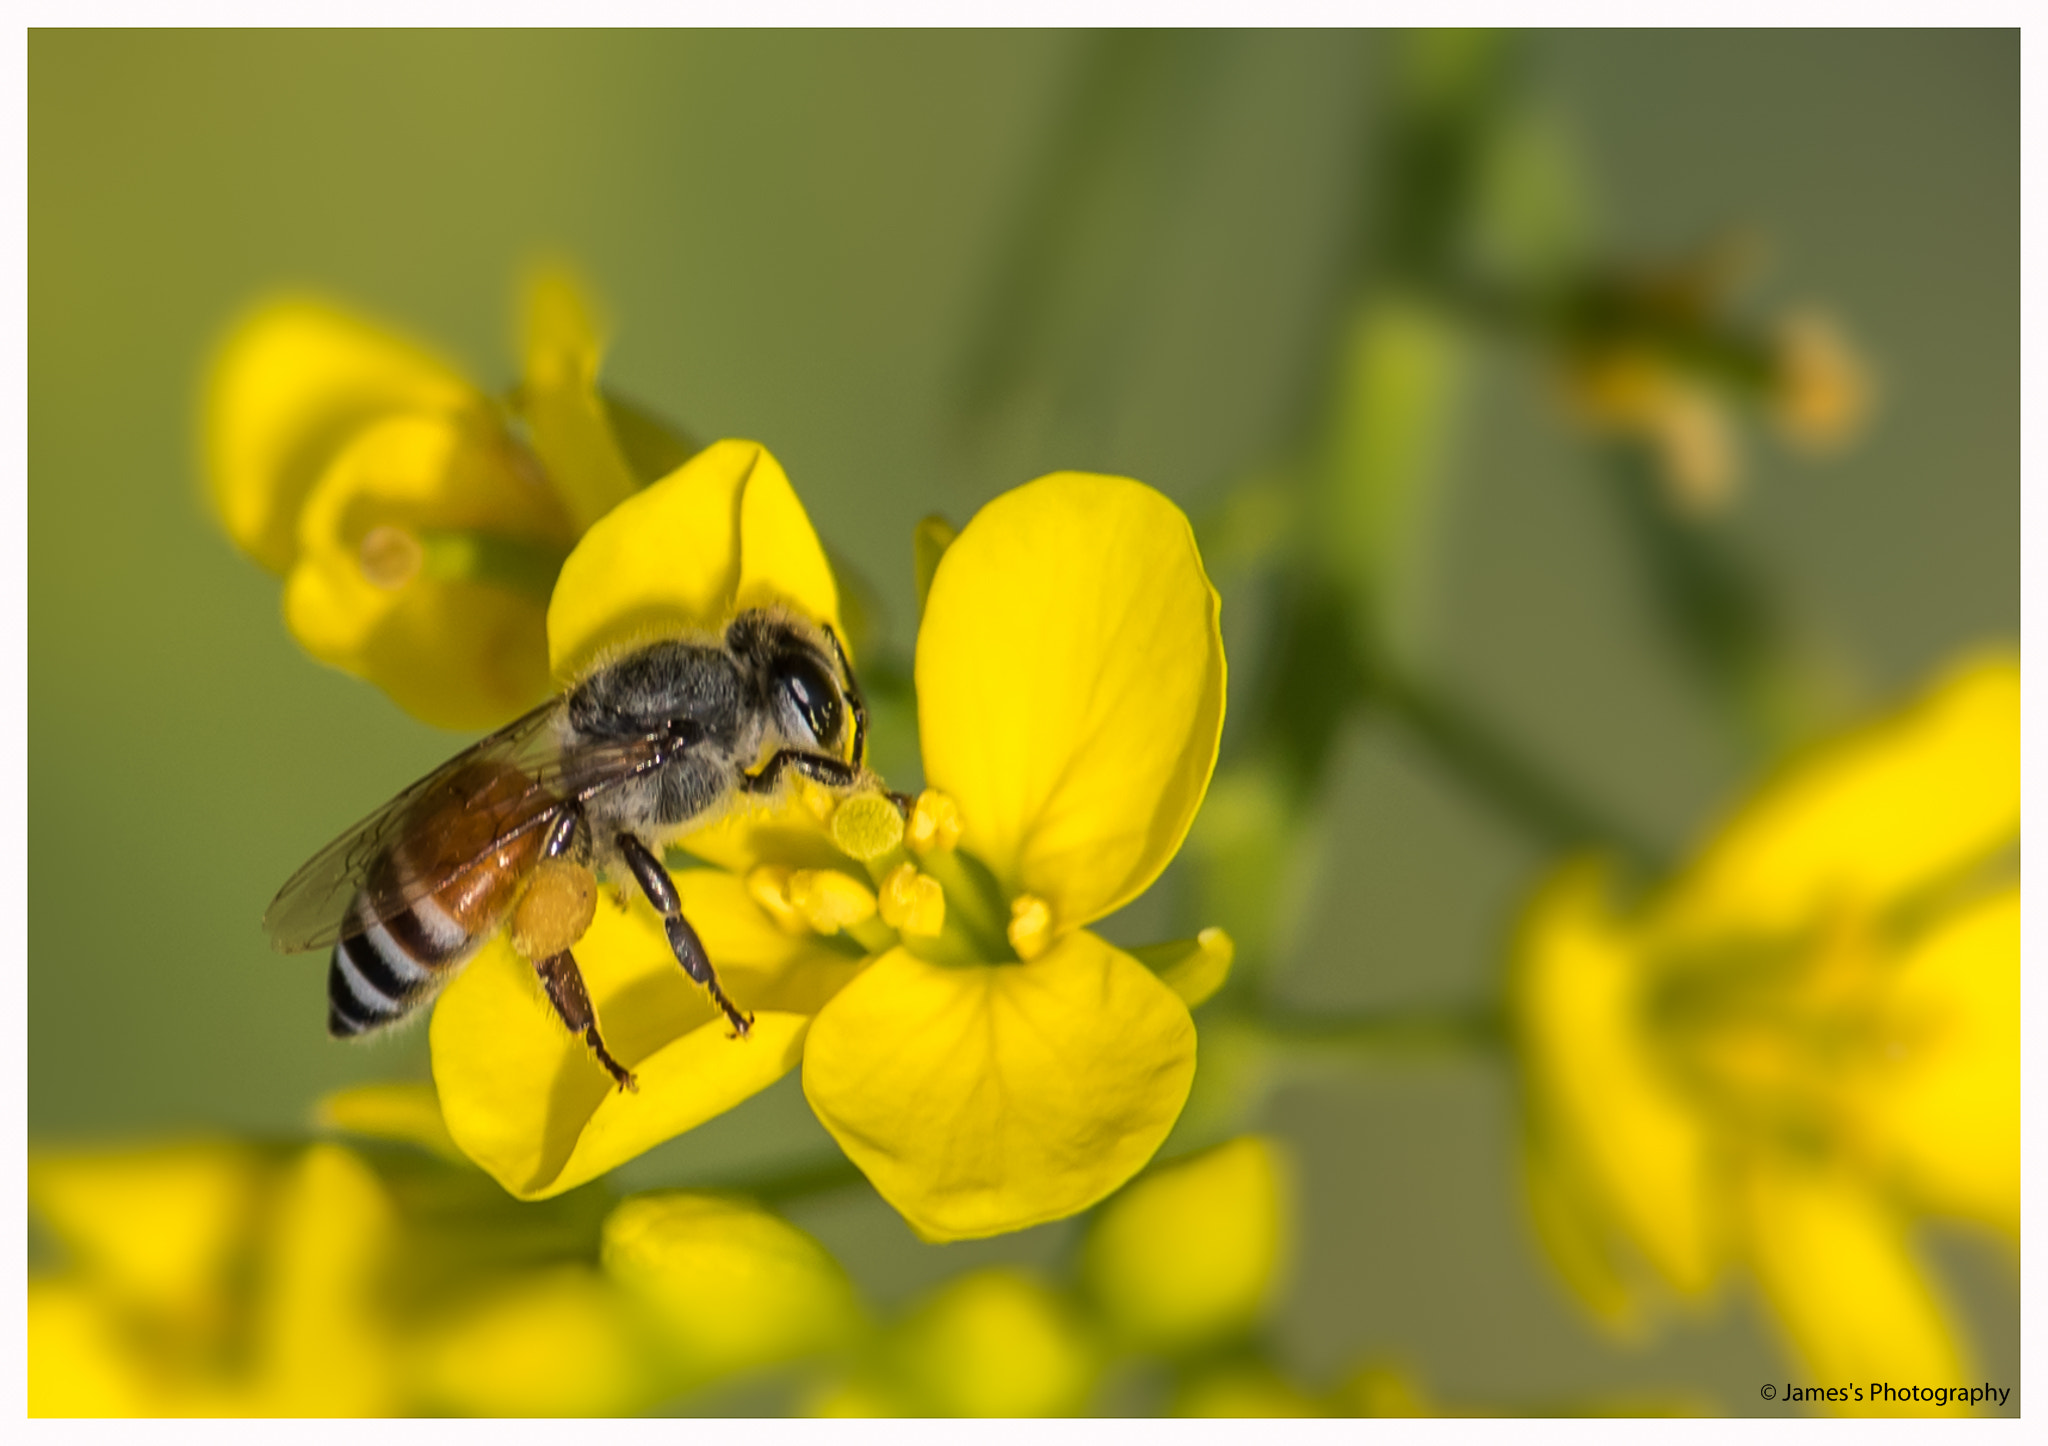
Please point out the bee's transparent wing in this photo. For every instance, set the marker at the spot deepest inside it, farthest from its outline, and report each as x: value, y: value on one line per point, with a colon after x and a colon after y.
x: 496, y: 791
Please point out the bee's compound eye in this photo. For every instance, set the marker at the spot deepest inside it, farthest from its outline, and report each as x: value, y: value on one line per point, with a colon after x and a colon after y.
x: 811, y: 689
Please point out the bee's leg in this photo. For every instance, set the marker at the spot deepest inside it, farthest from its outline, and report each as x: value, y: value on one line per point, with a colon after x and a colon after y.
x: 567, y: 832
x: 816, y: 766
x: 661, y: 892
x: 564, y: 983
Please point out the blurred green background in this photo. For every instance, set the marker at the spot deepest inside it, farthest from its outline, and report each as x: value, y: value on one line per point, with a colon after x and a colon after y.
x: 805, y: 239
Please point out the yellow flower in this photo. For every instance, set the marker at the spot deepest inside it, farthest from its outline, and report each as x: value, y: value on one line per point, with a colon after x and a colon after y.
x: 989, y: 1343
x: 216, y: 1278
x: 983, y: 1057
x: 417, y: 523
x: 1191, y: 1252
x: 1805, y: 1042
x: 151, y: 1318
x: 521, y: 1096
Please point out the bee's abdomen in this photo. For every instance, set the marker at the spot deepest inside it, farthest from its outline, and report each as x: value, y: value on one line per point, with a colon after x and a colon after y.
x: 386, y: 970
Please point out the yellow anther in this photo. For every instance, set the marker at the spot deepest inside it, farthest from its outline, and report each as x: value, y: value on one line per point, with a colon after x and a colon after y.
x: 934, y: 824
x: 913, y: 903
x: 390, y: 556
x: 829, y: 900
x: 867, y: 826
x: 769, y: 886
x: 1030, y: 925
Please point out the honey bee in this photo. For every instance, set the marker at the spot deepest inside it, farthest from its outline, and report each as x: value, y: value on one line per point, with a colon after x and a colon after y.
x: 510, y: 833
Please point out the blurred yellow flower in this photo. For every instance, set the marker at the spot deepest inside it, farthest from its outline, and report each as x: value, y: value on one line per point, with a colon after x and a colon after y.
x: 1190, y: 1254
x: 1652, y: 355
x: 418, y: 523
x: 215, y: 1278
x: 995, y: 1342
x: 987, y: 1061
x: 1807, y: 1041
x: 210, y: 1279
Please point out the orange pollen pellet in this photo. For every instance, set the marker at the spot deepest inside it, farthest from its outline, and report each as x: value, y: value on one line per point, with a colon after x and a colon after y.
x: 556, y: 909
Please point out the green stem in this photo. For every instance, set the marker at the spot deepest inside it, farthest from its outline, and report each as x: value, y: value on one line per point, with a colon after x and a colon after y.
x: 1543, y: 807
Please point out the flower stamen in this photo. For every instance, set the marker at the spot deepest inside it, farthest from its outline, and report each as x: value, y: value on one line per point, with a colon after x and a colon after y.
x: 1030, y: 928
x: 935, y: 823
x: 828, y: 900
x: 913, y: 903
x: 390, y: 557
x: 768, y: 886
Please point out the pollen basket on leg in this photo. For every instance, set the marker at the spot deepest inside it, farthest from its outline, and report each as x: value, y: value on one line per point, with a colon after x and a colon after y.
x: 555, y: 910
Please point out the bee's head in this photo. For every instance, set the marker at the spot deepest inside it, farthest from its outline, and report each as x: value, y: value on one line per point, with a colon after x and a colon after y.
x: 803, y: 679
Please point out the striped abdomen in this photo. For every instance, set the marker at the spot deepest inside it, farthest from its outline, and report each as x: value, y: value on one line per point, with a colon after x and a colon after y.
x: 384, y: 969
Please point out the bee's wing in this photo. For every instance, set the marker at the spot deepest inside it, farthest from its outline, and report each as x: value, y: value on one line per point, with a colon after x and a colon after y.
x: 499, y: 789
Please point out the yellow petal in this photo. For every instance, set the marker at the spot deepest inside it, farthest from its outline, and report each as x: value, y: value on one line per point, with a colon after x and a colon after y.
x: 1835, y: 1265
x: 291, y: 384
x: 1192, y: 968
x: 560, y: 1342
x: 569, y: 422
x: 732, y: 1287
x: 157, y: 1227
x: 526, y: 1100
x: 1070, y: 684
x: 722, y: 533
x: 1940, y: 1113
x: 459, y: 652
x: 996, y: 1343
x: 78, y: 1364
x: 325, y: 1346
x: 1576, y: 994
x: 985, y: 1098
x: 1898, y: 804
x: 409, y: 1112
x: 1190, y: 1253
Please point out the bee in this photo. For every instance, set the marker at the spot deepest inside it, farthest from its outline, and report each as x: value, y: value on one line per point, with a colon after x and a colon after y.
x: 511, y: 833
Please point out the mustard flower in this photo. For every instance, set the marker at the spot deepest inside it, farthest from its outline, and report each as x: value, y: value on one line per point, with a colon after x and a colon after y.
x: 1191, y: 1253
x: 986, y: 1060
x: 417, y: 522
x: 150, y: 1320
x: 223, y: 1278
x: 1802, y: 1045
x: 1000, y: 1342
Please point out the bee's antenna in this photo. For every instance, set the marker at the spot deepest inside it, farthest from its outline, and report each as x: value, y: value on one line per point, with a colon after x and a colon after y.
x: 854, y: 700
